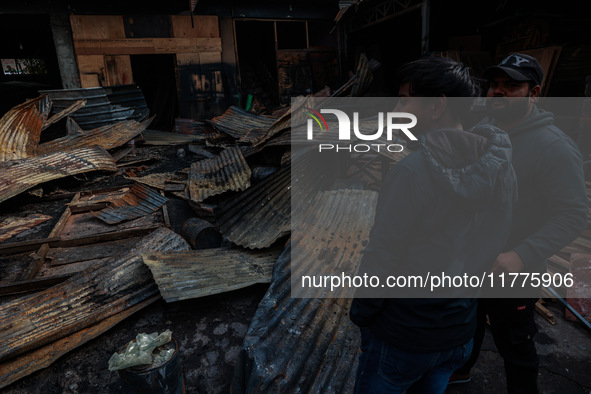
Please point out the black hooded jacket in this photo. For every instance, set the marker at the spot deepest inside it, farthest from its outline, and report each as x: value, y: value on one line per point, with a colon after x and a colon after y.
x: 444, y: 208
x: 552, y: 206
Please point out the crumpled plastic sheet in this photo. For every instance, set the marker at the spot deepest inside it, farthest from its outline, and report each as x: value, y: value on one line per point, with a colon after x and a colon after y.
x: 139, y: 352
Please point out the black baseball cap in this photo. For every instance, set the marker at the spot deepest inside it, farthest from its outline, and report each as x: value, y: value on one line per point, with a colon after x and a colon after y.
x: 519, y: 67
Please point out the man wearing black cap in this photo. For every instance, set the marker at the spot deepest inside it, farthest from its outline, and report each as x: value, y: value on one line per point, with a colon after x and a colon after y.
x: 550, y: 212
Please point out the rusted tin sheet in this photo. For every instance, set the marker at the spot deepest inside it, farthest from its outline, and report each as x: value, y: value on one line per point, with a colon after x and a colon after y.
x: 21, y: 366
x: 260, y: 215
x: 198, y: 273
x: 219, y: 140
x: 20, y: 128
x: 10, y: 227
x: 242, y: 125
x: 139, y: 201
x: 155, y: 137
x: 277, y: 127
x: 128, y: 96
x: 19, y: 175
x: 87, y: 298
x: 107, y: 137
x: 103, y: 105
x: 160, y: 180
x: 228, y: 171
x: 309, y: 345
x: 63, y: 113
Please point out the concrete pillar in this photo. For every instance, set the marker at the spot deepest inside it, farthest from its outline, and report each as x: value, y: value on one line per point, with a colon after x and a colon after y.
x: 64, y: 47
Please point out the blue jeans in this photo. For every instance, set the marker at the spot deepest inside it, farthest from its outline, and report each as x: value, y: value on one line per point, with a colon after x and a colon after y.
x: 386, y: 369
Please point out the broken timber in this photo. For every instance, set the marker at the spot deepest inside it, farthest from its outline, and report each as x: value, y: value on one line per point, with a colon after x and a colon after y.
x: 12, y: 226
x: 83, y: 300
x: 21, y: 366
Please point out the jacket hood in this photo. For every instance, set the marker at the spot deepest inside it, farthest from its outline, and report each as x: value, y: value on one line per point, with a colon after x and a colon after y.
x: 473, y: 165
x: 538, y: 118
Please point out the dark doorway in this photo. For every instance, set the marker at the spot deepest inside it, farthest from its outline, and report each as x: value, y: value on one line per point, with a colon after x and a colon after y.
x: 155, y: 75
x: 257, y: 61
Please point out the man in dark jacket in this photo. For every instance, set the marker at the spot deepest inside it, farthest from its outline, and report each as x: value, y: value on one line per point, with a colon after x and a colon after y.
x: 550, y: 212
x: 446, y: 207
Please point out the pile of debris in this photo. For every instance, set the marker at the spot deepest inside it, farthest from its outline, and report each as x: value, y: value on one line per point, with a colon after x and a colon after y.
x: 113, y: 251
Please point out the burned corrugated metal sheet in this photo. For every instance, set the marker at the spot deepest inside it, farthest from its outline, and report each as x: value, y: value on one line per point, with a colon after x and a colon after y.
x: 219, y: 140
x: 19, y: 175
x: 98, y: 111
x: 279, y: 125
x: 260, y: 215
x: 241, y: 124
x: 65, y: 112
x: 198, y: 273
x: 20, y: 128
x: 227, y: 171
x: 309, y: 344
x: 155, y: 137
x: 160, y: 180
x: 138, y: 202
x: 10, y: 227
x: 83, y: 300
x: 128, y: 96
x: 107, y: 137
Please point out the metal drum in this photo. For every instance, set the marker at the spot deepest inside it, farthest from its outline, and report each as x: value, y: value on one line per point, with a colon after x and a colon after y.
x: 201, y: 234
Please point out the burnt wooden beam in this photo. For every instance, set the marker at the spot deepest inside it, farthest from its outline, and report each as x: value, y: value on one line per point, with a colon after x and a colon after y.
x: 84, y: 300
x: 29, y: 286
x: 25, y: 246
x: 19, y: 367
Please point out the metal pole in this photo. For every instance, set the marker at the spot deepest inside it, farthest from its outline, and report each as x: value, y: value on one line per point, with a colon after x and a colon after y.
x: 570, y: 308
x: 425, y: 16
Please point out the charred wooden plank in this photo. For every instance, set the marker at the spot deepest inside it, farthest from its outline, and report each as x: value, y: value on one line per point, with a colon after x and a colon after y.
x: 18, y: 368
x: 83, y: 300
x: 63, y: 113
x: 23, y: 246
x: 28, y: 286
x: 12, y: 226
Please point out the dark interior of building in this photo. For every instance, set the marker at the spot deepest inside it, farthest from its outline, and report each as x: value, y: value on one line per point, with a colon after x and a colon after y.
x: 155, y: 75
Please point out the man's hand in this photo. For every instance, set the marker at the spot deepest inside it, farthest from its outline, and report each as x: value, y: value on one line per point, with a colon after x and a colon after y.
x: 508, y: 262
